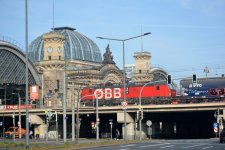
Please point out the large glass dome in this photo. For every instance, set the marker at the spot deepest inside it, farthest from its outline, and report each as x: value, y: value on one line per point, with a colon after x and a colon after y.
x: 77, y: 47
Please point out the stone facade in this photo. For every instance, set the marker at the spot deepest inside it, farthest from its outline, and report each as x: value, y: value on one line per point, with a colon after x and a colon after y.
x: 142, y: 67
x: 78, y: 73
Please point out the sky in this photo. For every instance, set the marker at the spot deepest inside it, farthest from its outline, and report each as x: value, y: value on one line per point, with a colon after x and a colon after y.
x: 186, y: 35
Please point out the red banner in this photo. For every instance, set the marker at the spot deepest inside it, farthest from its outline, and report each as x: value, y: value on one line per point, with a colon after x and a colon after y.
x: 15, y: 107
x: 34, y: 92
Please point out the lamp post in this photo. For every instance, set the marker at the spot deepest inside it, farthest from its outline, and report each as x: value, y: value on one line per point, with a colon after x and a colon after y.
x: 206, y: 71
x: 73, y: 113
x: 111, y: 125
x: 27, y: 113
x: 78, y: 120
x: 97, y: 119
x: 19, y: 123
x: 124, y: 77
x: 140, y: 129
x: 64, y: 109
x: 78, y: 116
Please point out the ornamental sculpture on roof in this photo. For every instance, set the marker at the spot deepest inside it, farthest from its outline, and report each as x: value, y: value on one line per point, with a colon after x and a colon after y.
x: 108, y: 58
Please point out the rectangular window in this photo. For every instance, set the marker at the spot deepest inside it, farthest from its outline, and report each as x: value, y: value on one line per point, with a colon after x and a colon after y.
x: 57, y: 84
x: 49, y: 57
x: 59, y: 57
x: 157, y: 87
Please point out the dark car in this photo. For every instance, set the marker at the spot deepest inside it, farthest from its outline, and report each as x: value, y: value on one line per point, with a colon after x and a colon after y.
x: 222, y: 136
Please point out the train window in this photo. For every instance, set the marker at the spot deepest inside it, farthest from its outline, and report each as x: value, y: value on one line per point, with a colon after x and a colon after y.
x: 213, y: 92
x: 157, y: 87
x: 221, y: 91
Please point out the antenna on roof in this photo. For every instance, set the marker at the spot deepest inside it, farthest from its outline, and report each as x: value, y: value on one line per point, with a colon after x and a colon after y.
x: 53, y: 16
x: 141, y: 40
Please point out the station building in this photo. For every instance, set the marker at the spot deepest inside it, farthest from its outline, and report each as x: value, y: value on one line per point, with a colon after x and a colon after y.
x: 65, y: 54
x: 63, y: 61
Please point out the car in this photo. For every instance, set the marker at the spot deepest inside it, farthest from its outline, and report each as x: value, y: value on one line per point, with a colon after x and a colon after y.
x: 9, y: 133
x: 222, y: 136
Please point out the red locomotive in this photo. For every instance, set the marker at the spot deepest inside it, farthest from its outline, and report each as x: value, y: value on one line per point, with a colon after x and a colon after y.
x: 206, y: 90
x: 116, y: 93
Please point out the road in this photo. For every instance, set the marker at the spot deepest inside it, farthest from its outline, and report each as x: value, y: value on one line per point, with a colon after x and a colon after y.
x: 206, y: 144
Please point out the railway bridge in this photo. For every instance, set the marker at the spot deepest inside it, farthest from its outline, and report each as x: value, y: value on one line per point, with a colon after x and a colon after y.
x: 168, y: 120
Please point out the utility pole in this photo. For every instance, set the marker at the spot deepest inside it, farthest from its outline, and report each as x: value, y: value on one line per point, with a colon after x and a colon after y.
x: 73, y: 113
x: 27, y: 79
x: 77, y: 121
x: 206, y: 71
x: 56, y: 126
x: 14, y: 129
x: 124, y: 75
x: 218, y: 121
x: 19, y: 123
x: 97, y: 118
x: 64, y: 109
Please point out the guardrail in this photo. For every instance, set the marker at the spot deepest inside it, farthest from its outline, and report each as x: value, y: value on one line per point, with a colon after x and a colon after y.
x: 12, y: 42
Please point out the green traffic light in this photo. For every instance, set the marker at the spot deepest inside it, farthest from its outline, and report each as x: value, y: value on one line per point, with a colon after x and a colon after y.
x: 194, y: 78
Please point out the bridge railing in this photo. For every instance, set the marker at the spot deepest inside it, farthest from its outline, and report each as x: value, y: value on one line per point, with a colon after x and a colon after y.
x: 12, y: 41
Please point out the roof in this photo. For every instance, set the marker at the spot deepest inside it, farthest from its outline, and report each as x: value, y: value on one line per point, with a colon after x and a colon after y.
x: 76, y: 46
x: 12, y: 64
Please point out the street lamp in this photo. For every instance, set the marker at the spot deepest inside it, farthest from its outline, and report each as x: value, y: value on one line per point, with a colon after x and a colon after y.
x: 64, y: 108
x: 78, y: 120
x: 14, y: 130
x: 140, y: 129
x: 73, y: 113
x: 124, y: 82
x: 27, y: 103
x: 97, y: 119
x: 111, y: 125
x: 77, y: 113
x: 19, y: 123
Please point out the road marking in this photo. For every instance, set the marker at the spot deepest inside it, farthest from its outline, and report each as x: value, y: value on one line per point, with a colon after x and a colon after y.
x: 207, y: 147
x: 192, y: 146
x: 167, y: 146
x: 127, y: 145
x: 155, y: 145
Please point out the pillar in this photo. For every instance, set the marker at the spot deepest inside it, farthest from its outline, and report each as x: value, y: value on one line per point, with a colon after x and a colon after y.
x: 130, y: 124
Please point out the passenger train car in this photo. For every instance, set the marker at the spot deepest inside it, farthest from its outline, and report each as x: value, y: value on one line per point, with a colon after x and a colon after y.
x: 204, y: 88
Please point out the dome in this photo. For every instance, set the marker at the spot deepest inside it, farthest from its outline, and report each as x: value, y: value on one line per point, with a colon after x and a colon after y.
x: 76, y: 47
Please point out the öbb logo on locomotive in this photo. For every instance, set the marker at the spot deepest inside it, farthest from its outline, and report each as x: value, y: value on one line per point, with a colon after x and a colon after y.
x: 108, y: 93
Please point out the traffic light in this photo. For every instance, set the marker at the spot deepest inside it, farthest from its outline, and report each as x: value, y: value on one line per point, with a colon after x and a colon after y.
x: 194, y: 78
x: 137, y: 115
x: 140, y: 115
x: 169, y: 80
x: 127, y: 90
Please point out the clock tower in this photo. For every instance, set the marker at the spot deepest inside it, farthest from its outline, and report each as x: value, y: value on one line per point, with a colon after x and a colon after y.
x: 52, y: 67
x: 53, y: 46
x: 142, y: 72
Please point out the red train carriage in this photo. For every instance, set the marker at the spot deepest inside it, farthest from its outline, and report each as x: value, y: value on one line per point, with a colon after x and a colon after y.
x: 132, y: 92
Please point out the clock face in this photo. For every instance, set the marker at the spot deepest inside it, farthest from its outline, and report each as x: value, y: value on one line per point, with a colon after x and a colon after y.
x: 49, y: 49
x: 59, y: 49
